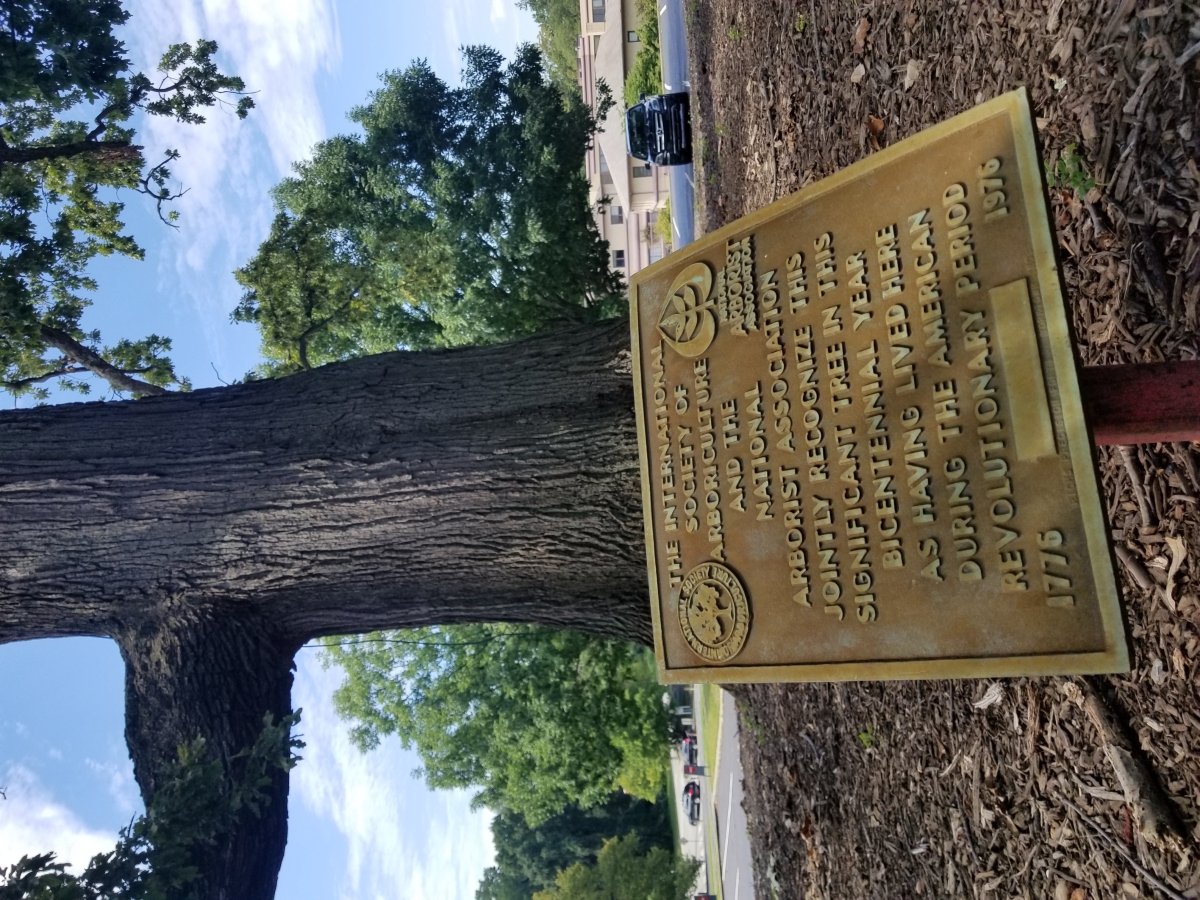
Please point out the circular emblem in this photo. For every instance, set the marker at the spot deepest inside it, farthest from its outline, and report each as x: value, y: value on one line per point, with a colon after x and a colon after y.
x: 713, y: 612
x: 687, y: 322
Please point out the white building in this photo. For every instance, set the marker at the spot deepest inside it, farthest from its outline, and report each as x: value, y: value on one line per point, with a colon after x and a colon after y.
x: 636, y: 189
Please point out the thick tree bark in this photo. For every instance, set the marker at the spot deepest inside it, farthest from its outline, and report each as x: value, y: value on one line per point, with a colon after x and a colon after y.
x: 212, y: 533
x: 105, y: 152
x: 490, y: 484
x: 198, y: 669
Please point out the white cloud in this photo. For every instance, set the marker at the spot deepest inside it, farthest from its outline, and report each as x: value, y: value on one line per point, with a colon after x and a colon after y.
x: 450, y: 28
x: 32, y: 821
x: 279, y: 48
x: 496, y: 23
x: 116, y: 774
x: 403, y: 840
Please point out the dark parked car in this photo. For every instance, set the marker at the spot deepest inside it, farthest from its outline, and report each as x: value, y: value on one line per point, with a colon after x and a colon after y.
x: 687, y: 749
x: 691, y: 802
x: 659, y: 129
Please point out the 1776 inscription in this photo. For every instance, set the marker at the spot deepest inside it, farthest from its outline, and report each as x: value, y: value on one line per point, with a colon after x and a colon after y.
x: 863, y: 448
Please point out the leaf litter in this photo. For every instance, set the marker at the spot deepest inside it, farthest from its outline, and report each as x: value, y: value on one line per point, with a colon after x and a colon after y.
x: 1076, y: 789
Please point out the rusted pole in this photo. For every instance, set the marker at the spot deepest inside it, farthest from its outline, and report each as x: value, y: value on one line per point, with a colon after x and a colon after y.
x: 1143, y: 403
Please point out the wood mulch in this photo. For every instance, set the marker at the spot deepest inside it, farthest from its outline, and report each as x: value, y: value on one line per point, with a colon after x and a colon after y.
x: 1027, y: 787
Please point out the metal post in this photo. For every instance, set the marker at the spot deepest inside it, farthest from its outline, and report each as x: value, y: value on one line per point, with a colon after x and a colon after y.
x: 1142, y: 403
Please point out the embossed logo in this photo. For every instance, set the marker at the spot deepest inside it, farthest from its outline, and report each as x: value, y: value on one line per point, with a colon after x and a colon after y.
x: 687, y: 322
x: 713, y: 612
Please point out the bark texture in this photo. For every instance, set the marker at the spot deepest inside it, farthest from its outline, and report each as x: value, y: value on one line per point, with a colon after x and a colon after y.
x: 213, y: 533
x: 200, y: 669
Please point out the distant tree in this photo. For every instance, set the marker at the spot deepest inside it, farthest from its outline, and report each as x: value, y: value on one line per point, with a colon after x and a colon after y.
x: 459, y: 215
x: 533, y: 855
x: 645, y: 75
x: 161, y: 855
x: 59, y: 61
x: 536, y: 719
x: 498, y: 884
x: 622, y: 873
x: 559, y: 28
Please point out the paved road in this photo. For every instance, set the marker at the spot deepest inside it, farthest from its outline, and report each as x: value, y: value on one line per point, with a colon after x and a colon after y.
x: 737, y: 876
x: 672, y: 39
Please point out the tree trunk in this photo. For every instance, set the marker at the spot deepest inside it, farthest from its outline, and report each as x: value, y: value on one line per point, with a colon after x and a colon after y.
x: 200, y: 669
x: 212, y: 533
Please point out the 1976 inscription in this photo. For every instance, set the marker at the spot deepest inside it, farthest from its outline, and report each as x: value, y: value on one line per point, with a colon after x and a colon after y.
x: 863, y: 448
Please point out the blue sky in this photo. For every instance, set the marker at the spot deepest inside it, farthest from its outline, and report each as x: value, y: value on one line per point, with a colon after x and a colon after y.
x: 361, y: 825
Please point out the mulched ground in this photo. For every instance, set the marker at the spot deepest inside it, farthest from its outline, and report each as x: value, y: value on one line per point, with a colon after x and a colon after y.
x: 917, y: 790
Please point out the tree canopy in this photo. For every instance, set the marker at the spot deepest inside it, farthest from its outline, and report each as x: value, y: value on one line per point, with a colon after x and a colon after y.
x: 66, y: 94
x: 529, y: 858
x: 621, y: 872
x: 535, y: 719
x: 456, y: 216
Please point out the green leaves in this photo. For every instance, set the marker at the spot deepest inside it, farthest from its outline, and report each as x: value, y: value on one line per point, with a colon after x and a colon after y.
x: 56, y: 52
x: 1071, y: 171
x: 528, y: 858
x: 535, y: 719
x: 558, y: 32
x: 58, y: 175
x: 458, y: 216
x: 622, y: 873
x: 190, y: 80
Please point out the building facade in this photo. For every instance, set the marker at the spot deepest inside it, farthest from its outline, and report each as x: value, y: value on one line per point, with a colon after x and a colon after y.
x: 634, y: 190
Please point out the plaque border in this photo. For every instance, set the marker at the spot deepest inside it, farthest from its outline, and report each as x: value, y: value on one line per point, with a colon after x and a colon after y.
x: 1060, y: 354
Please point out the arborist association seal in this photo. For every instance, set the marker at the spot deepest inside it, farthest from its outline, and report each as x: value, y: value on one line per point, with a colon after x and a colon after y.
x: 713, y: 612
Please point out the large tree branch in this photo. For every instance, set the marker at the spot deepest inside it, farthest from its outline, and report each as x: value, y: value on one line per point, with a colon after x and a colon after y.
x: 60, y: 372
x: 107, y: 151
x: 302, y: 340
x: 493, y: 483
x: 96, y: 364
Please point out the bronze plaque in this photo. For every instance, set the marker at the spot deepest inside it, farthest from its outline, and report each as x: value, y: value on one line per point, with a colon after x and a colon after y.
x: 863, y: 450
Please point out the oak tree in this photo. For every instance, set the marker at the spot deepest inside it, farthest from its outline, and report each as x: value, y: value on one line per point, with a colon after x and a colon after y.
x: 212, y: 533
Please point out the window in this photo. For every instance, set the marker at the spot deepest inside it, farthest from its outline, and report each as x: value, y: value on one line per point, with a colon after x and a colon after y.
x: 616, y: 215
x: 597, y: 10
x: 656, y: 252
x: 641, y: 171
x: 618, y: 259
x: 632, y: 37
